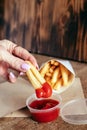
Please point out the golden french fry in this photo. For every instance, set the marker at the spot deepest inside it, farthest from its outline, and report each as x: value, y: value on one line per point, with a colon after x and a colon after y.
x: 64, y: 73
x: 52, y: 62
x: 48, y: 81
x: 55, y: 76
x: 45, y: 69
x: 36, y: 84
x: 51, y: 70
x: 56, y: 63
x: 36, y: 73
x: 47, y: 78
x: 60, y: 75
x: 48, y: 74
x: 58, y: 84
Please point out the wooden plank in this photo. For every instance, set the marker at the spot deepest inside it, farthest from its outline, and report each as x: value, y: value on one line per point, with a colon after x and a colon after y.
x: 55, y: 27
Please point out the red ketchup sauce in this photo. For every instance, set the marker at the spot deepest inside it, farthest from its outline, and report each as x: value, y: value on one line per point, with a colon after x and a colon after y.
x: 43, y: 105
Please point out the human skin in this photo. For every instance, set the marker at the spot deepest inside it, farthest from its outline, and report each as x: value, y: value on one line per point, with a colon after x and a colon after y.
x: 13, y: 57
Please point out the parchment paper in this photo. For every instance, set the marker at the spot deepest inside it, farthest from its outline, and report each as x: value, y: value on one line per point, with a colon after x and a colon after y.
x: 13, y: 96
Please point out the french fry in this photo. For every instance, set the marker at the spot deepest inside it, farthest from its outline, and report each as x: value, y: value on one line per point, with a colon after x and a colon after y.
x: 49, y: 82
x: 55, y: 76
x: 52, y: 62
x: 56, y: 63
x: 42, y: 88
x: 47, y: 78
x: 64, y: 73
x: 36, y: 84
x: 36, y: 73
x: 58, y: 84
x: 48, y: 74
x: 45, y: 69
x: 52, y: 68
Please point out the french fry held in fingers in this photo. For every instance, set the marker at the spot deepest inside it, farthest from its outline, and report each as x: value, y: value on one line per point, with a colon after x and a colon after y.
x: 42, y: 88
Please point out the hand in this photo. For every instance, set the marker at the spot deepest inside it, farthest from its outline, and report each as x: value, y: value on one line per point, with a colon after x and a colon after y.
x: 13, y: 57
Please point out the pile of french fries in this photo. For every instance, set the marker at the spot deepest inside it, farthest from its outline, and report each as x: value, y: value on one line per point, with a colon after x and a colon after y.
x: 56, y: 74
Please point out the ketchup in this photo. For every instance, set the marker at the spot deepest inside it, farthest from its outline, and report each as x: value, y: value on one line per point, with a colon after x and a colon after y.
x: 44, y: 113
x: 45, y: 91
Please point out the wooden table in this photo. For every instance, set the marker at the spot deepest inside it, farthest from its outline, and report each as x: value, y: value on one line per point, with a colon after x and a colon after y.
x: 26, y: 123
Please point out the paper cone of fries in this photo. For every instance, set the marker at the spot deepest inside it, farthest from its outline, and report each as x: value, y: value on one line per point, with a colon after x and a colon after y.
x: 58, y: 73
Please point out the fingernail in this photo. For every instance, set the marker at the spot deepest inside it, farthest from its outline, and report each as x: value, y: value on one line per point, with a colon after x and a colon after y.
x: 21, y: 74
x: 12, y: 75
x: 37, y: 67
x: 25, y: 66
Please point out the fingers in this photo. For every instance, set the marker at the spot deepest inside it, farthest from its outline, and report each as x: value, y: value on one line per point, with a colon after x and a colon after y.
x: 33, y: 61
x: 8, y: 45
x: 12, y: 78
x: 3, y: 68
x: 15, y: 56
x: 25, y: 55
x: 17, y: 51
x: 14, y: 62
x: 5, y: 75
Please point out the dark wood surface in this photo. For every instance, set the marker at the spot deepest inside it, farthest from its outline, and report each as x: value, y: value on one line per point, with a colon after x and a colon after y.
x: 50, y: 27
x: 21, y: 123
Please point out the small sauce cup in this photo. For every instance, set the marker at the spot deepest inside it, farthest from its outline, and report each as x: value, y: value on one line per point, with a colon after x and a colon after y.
x: 44, y: 109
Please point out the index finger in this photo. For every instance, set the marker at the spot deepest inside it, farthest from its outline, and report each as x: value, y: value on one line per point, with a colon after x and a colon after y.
x: 25, y: 55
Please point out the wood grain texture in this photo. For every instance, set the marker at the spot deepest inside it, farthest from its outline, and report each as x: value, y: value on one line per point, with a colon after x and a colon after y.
x: 51, y: 27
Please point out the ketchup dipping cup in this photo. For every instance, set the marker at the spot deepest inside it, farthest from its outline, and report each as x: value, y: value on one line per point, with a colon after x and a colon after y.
x: 44, y: 109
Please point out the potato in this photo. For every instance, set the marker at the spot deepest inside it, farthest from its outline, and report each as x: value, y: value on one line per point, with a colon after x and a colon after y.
x: 56, y: 74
